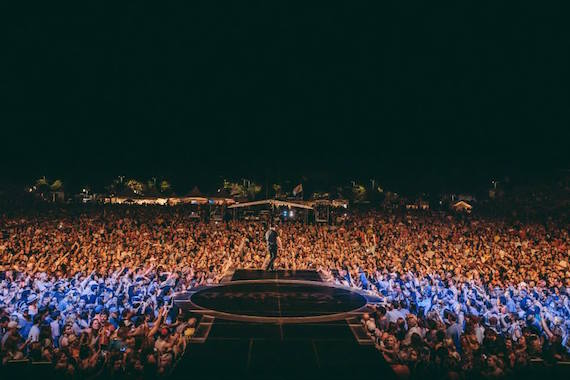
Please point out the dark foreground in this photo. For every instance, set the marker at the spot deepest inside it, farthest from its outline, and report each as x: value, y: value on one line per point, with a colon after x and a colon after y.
x: 250, y: 349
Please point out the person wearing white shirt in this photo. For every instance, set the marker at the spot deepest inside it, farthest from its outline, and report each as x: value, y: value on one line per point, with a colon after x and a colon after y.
x: 55, y: 329
x: 34, y: 334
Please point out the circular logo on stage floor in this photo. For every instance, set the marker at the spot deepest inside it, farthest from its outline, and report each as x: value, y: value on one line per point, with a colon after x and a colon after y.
x: 277, y: 301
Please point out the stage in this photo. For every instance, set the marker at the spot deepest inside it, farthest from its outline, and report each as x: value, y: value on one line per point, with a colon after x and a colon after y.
x: 279, y: 324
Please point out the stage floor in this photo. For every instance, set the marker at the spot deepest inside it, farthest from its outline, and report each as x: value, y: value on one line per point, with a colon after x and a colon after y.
x: 279, y: 299
x: 226, y: 348
x: 257, y: 274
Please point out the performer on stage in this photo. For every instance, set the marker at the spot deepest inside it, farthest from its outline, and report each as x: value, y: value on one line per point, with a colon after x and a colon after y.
x: 273, y: 243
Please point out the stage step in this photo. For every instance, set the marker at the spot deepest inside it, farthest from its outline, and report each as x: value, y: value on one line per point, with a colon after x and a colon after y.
x: 203, y: 330
x: 359, y: 332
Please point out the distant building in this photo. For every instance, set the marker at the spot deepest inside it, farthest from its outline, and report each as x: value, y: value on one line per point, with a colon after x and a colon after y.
x: 393, y: 200
x: 418, y: 205
x: 194, y: 197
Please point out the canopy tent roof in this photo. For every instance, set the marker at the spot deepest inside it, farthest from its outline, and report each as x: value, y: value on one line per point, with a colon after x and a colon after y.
x: 272, y: 202
x: 195, y: 193
x: 194, y: 196
x: 328, y: 202
x: 139, y: 200
x: 462, y: 205
x: 222, y: 197
x: 221, y: 201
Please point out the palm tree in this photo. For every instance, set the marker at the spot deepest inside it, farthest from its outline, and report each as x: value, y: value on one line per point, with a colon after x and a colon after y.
x: 135, y: 186
x: 42, y: 186
x: 277, y: 189
x: 56, y: 185
x: 253, y: 190
x: 359, y: 193
x: 150, y: 188
x: 165, y: 187
x: 118, y: 186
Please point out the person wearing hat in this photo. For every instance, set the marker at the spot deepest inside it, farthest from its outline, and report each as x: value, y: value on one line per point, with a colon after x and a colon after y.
x: 114, y: 316
x: 32, y: 302
x: 25, y: 321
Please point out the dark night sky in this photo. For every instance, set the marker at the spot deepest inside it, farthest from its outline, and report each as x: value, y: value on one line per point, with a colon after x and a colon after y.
x: 425, y: 95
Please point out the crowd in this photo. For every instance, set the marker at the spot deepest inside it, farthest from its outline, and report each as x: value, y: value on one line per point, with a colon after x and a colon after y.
x: 91, y: 290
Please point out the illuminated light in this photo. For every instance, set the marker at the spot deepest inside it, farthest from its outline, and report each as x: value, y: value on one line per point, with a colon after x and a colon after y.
x: 291, y: 213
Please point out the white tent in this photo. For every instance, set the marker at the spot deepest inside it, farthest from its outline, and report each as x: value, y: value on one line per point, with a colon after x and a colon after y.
x: 462, y: 206
x: 271, y: 202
